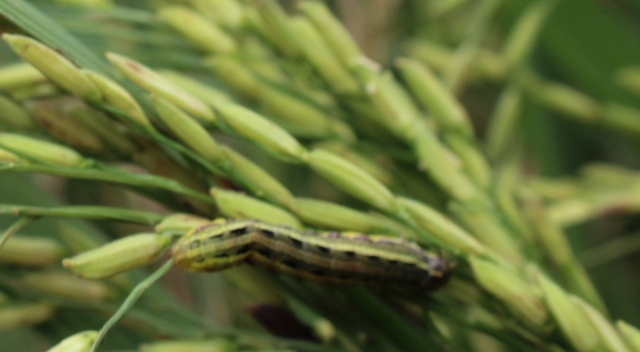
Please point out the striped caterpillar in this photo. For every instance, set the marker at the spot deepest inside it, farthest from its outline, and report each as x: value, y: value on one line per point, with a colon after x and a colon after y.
x: 331, y: 256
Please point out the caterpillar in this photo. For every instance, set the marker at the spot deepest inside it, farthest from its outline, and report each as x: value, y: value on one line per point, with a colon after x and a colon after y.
x: 342, y: 257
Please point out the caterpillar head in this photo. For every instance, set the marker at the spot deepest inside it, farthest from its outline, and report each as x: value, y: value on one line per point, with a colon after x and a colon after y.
x: 439, y: 273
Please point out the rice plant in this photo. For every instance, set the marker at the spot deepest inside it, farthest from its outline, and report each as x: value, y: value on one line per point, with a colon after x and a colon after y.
x: 255, y: 175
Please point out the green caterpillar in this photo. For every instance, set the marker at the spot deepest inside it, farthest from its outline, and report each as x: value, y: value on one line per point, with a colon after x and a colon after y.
x: 331, y: 256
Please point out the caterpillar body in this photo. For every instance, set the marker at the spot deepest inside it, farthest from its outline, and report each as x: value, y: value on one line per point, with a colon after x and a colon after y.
x: 330, y: 256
